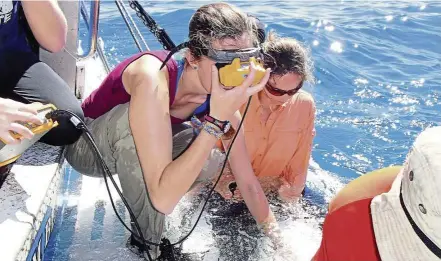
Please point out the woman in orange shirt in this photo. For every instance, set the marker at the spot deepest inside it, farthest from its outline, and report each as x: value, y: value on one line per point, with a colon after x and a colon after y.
x: 279, y: 124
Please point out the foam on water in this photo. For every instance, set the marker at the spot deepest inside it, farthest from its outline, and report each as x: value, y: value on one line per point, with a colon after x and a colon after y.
x: 377, y: 65
x: 87, y: 228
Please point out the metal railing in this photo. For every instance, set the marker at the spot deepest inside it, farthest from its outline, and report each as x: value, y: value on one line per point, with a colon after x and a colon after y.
x: 38, y: 247
x: 97, y: 47
x: 92, y: 27
x: 92, y: 20
x: 131, y: 25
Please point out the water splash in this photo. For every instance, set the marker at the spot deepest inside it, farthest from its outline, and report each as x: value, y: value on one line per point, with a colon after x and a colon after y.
x: 371, y: 103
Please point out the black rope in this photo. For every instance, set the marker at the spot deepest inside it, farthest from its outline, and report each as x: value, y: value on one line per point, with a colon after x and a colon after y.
x: 154, y: 28
x: 424, y: 238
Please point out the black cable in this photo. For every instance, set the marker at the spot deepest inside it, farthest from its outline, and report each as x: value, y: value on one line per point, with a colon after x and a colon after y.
x: 78, y: 123
x: 220, y: 175
x: 167, y: 44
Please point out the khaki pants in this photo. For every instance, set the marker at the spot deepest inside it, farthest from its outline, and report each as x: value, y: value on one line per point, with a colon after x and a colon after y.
x: 114, y: 139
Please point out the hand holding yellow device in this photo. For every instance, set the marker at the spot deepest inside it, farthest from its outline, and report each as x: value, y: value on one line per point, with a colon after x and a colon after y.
x: 234, y: 65
x: 235, y: 73
x: 11, y: 152
x: 42, y: 113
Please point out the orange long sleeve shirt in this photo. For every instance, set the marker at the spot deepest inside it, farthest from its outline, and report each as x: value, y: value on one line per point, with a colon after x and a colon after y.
x: 281, y: 146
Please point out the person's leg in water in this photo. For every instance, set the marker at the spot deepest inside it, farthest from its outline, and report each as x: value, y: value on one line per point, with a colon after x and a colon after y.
x: 24, y: 78
x: 113, y: 137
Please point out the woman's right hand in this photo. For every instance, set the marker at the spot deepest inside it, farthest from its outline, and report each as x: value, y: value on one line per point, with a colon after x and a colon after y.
x: 12, y: 112
x: 224, y: 103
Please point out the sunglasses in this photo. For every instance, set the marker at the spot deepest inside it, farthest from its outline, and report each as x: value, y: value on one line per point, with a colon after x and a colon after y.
x: 278, y: 92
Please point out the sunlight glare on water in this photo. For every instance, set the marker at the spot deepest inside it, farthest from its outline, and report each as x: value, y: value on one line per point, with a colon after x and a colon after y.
x: 377, y: 65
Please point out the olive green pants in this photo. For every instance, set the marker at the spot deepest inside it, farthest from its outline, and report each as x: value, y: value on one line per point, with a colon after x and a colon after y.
x: 114, y: 139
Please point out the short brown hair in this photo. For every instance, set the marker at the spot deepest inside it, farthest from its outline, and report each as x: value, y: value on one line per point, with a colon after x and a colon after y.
x: 217, y: 21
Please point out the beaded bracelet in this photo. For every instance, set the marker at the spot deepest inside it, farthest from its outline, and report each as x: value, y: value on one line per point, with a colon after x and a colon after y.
x: 196, y: 124
x: 212, y: 130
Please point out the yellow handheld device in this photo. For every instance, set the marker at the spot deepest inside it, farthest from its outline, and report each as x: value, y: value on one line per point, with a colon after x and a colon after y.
x: 234, y: 74
x: 10, y: 153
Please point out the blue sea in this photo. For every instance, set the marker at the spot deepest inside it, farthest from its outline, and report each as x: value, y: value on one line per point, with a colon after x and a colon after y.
x: 377, y: 65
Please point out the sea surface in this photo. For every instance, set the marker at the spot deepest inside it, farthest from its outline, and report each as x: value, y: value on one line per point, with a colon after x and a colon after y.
x: 377, y: 65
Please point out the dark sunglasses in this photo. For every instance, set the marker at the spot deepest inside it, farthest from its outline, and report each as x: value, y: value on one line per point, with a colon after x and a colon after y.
x: 278, y: 92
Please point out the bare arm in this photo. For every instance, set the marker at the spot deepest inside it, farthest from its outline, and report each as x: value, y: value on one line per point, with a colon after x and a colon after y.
x: 149, y: 116
x: 47, y: 22
x: 246, y: 181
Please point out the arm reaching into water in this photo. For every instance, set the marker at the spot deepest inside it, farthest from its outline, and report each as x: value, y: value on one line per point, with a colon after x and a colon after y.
x: 246, y: 181
x: 167, y: 180
x: 47, y: 22
x: 248, y: 184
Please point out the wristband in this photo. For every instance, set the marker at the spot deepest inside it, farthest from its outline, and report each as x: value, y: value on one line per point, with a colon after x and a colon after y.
x: 224, y: 126
x: 212, y: 130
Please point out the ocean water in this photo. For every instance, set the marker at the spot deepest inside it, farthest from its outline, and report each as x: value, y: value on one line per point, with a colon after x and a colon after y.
x: 377, y: 65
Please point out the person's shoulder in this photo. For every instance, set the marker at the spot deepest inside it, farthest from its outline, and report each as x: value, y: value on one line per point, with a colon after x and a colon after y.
x: 348, y: 219
x: 305, y: 94
x: 146, y: 64
x: 303, y: 98
x: 303, y: 102
x: 145, y: 69
x: 368, y: 185
x: 348, y: 234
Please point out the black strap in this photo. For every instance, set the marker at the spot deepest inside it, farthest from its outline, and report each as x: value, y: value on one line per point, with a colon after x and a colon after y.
x: 148, y: 21
x: 173, y: 51
x: 426, y: 240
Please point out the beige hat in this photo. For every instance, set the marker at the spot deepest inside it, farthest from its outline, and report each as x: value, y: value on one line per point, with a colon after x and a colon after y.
x: 407, y: 225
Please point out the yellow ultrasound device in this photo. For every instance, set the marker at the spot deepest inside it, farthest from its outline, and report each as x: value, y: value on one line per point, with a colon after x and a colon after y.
x: 234, y: 74
x: 11, y: 152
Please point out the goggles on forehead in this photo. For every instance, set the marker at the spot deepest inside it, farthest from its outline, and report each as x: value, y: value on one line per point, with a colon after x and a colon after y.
x: 234, y: 65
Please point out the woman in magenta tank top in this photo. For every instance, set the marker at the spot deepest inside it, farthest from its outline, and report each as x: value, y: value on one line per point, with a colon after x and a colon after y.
x: 136, y: 118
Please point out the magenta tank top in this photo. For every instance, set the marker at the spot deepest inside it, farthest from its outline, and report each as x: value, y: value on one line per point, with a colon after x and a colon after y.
x: 112, y: 93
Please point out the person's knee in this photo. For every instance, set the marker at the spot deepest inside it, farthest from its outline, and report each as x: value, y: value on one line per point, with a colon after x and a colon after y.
x: 67, y: 102
x: 183, y: 136
x: 74, y: 108
x: 66, y: 133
